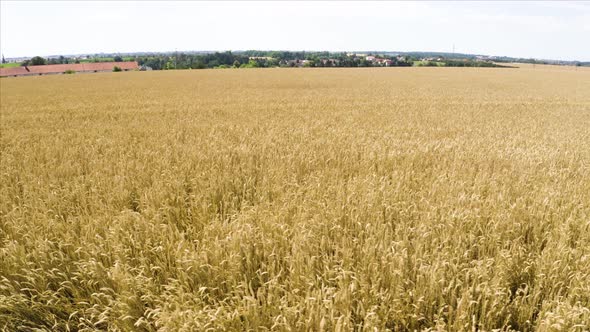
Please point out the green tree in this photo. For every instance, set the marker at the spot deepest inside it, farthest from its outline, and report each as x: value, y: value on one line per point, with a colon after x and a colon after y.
x: 272, y: 62
x: 199, y: 65
x: 37, y: 61
x: 116, y: 69
x: 118, y: 58
x: 213, y: 63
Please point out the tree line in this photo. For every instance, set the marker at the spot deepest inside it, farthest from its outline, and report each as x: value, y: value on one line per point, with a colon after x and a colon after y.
x: 269, y: 59
x: 258, y: 59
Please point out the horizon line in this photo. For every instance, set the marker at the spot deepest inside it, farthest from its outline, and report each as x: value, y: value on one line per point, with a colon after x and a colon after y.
x: 288, y: 50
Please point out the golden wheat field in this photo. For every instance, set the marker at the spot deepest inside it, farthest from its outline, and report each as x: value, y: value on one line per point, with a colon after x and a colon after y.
x: 402, y: 199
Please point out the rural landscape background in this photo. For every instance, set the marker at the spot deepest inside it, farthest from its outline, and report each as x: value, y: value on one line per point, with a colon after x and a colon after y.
x: 287, y: 189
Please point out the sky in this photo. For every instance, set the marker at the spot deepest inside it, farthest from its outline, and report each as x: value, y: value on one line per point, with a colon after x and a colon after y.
x: 542, y: 30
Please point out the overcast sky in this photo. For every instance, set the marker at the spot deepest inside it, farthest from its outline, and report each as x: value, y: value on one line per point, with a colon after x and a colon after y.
x: 550, y: 30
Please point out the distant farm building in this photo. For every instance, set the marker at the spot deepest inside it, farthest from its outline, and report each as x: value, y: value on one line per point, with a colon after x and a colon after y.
x: 74, y: 67
x: 385, y: 62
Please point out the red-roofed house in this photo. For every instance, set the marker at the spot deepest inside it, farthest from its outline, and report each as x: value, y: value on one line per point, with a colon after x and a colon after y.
x: 60, y: 69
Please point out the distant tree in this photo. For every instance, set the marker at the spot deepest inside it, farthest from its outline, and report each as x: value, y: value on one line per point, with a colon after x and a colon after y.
x: 251, y: 64
x: 77, y: 61
x: 272, y: 62
x: 37, y: 61
x: 116, y: 69
x: 236, y: 64
x: 118, y: 58
x: 213, y: 63
x: 199, y: 65
x: 4, y: 60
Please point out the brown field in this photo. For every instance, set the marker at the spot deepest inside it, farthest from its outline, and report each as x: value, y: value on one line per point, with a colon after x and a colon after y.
x: 442, y: 199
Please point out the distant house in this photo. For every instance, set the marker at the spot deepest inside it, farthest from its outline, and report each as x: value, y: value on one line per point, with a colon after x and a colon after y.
x: 330, y: 62
x: 73, y: 67
x: 370, y: 58
x: 290, y: 63
x: 385, y: 62
x: 296, y: 63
